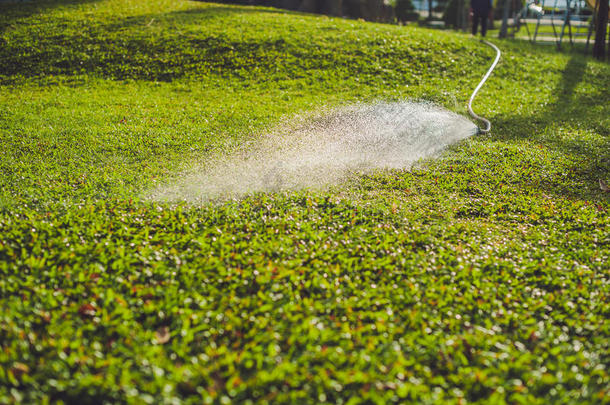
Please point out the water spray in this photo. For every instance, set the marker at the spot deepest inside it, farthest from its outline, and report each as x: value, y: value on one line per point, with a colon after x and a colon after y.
x: 316, y: 152
x: 319, y: 151
x: 474, y: 93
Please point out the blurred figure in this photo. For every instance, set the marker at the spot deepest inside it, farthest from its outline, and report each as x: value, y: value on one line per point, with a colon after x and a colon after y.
x: 480, y: 10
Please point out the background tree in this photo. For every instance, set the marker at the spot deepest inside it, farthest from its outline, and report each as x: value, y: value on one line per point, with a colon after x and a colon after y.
x: 405, y: 11
x: 289, y: 4
x: 309, y: 6
x: 601, y: 23
x: 371, y: 10
x: 333, y: 7
x: 456, y: 14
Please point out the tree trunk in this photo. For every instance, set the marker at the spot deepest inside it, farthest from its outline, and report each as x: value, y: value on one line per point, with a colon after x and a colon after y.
x: 430, y: 9
x: 601, y: 21
x: 309, y: 6
x: 289, y: 4
x: 388, y: 13
x: 505, y: 12
x: 372, y: 10
x: 333, y: 7
x: 463, y: 14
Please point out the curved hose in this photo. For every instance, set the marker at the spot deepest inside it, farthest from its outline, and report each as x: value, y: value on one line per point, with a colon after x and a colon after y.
x: 474, y: 93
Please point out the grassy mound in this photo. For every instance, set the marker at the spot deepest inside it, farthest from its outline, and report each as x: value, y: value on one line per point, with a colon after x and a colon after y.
x: 482, y: 276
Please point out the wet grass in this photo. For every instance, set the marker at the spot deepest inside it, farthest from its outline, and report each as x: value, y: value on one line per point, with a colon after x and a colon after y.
x: 480, y: 276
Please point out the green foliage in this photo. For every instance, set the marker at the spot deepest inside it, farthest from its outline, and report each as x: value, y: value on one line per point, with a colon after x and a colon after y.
x: 481, y: 276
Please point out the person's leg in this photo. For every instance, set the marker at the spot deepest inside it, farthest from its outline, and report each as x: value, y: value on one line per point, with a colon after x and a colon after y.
x: 475, y: 23
x: 483, y: 25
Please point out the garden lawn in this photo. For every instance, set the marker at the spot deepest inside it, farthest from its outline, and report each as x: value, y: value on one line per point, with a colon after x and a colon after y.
x: 481, y: 276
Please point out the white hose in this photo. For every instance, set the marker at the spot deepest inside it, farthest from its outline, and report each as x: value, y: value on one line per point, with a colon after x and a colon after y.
x: 493, y: 66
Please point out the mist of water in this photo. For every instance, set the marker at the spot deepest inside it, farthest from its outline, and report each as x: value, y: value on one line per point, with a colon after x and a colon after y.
x: 324, y: 150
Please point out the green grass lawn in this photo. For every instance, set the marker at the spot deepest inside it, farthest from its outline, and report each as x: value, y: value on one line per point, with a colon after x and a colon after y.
x: 481, y: 276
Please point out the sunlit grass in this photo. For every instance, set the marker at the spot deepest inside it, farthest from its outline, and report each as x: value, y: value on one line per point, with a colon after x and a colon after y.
x: 481, y: 275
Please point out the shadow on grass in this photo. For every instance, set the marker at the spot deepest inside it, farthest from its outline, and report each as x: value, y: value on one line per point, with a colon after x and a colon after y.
x: 12, y: 11
x: 147, y: 47
x: 575, y: 111
x: 192, y: 16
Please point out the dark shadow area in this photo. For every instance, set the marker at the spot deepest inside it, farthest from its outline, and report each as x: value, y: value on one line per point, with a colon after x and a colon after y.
x: 12, y: 11
x: 199, y: 15
x: 565, y: 91
x: 129, y: 48
x: 190, y: 16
